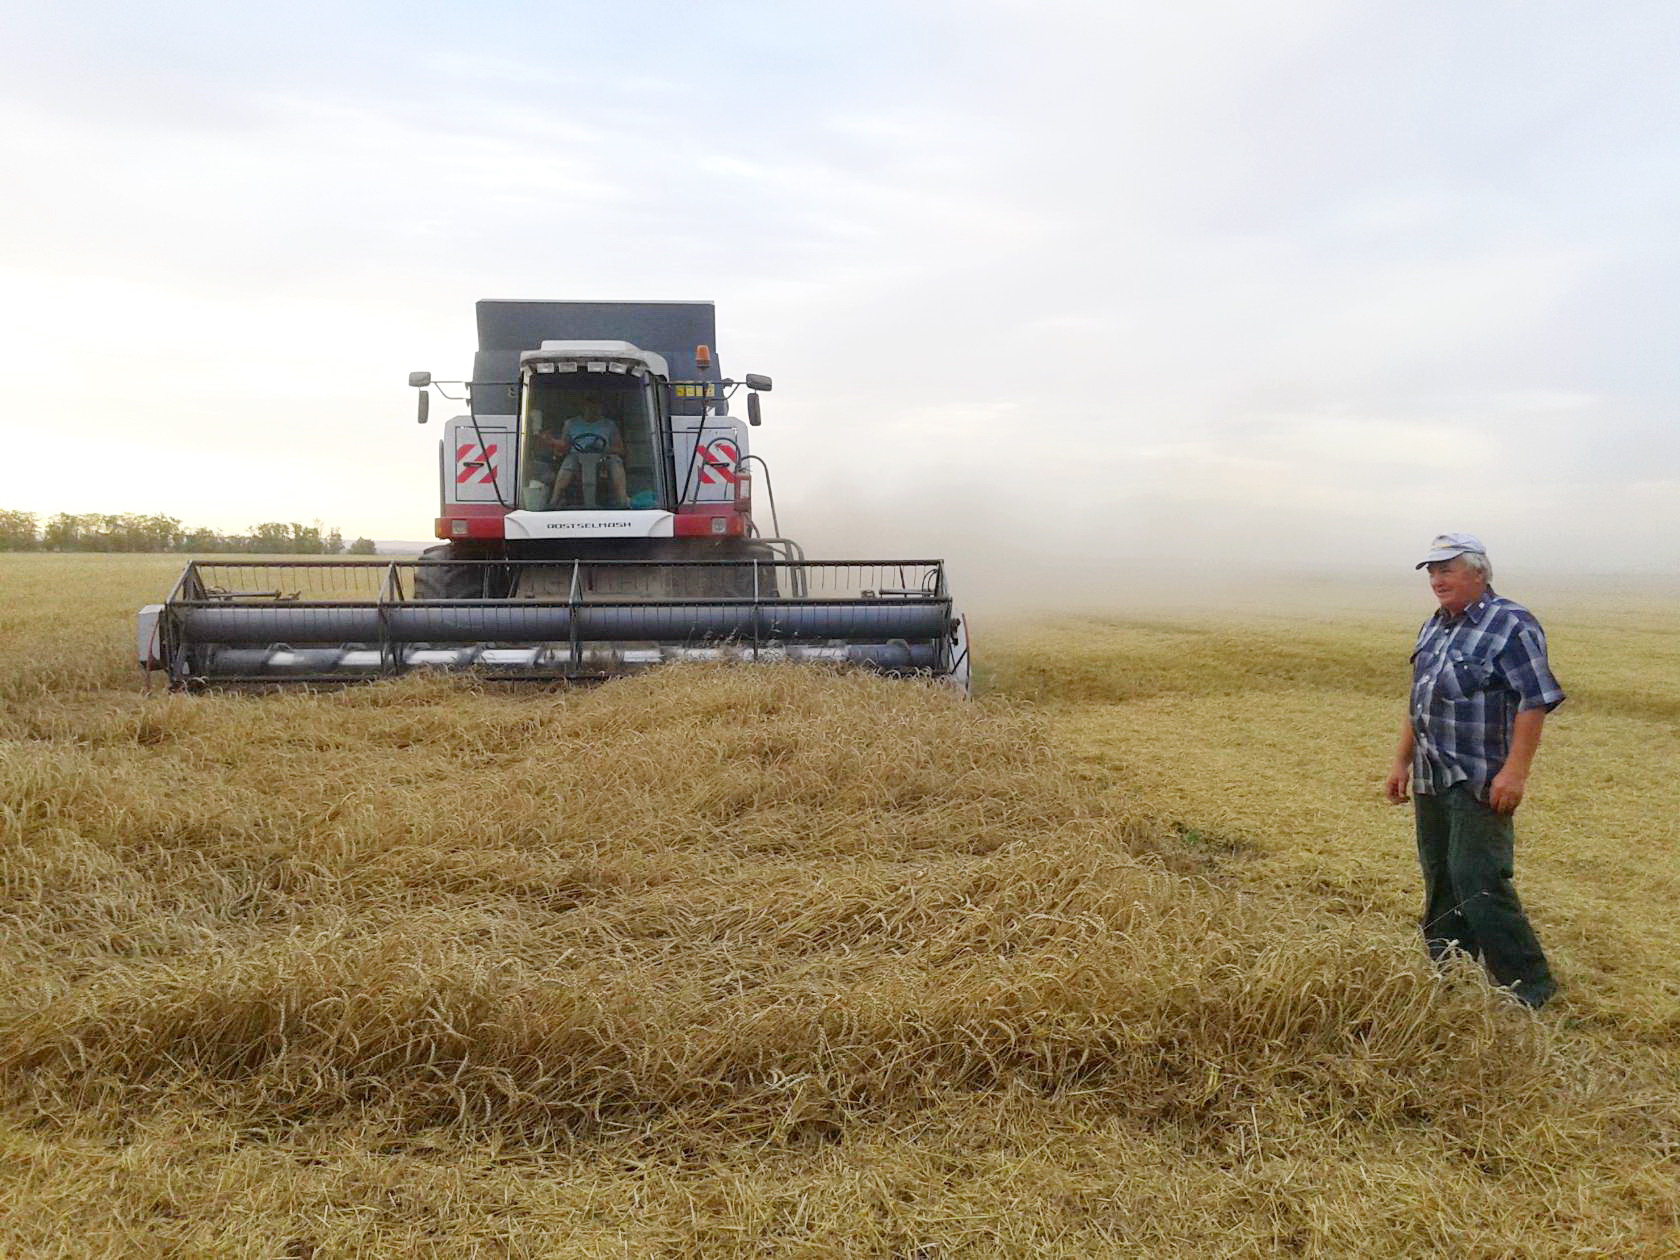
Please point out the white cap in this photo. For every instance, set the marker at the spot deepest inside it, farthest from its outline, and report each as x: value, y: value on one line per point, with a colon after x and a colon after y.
x: 1446, y: 546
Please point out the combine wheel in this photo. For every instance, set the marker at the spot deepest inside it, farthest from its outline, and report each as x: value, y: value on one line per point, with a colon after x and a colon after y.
x: 737, y: 583
x: 458, y: 581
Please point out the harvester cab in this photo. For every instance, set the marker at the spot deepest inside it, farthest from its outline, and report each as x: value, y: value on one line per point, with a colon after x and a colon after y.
x: 596, y: 512
x: 577, y: 437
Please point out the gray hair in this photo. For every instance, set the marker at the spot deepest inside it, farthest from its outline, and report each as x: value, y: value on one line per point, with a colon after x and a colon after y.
x: 1478, y: 561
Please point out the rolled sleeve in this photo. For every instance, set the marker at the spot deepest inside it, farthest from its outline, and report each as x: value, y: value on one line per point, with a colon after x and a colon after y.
x: 1528, y: 673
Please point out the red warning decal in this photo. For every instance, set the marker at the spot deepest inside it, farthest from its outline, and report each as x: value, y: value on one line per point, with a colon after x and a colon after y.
x: 718, y: 461
x: 469, y: 462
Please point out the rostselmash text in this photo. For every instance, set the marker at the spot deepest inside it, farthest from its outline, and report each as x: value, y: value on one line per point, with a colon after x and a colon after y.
x: 590, y: 525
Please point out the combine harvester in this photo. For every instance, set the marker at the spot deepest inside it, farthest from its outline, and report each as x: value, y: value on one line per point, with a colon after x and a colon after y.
x: 597, y: 507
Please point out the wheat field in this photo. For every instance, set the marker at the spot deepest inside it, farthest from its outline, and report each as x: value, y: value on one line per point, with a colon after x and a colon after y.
x: 1118, y: 959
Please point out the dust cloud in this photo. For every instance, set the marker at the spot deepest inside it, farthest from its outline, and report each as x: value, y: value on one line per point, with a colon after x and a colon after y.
x: 1155, y: 558
x: 1004, y: 559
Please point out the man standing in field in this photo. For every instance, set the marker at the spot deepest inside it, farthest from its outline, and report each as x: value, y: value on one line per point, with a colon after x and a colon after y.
x: 1481, y: 689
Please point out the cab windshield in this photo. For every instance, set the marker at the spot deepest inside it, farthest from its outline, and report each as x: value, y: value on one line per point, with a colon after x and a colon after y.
x: 588, y: 443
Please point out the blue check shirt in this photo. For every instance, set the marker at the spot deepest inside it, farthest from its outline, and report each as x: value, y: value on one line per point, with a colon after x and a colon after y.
x: 1471, y: 675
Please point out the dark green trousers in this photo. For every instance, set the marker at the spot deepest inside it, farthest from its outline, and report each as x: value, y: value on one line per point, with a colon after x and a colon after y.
x: 1469, y: 901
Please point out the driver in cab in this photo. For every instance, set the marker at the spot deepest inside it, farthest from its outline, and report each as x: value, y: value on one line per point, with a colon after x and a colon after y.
x: 587, y: 433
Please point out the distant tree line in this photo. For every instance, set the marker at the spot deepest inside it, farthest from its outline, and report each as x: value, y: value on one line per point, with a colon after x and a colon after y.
x: 132, y: 531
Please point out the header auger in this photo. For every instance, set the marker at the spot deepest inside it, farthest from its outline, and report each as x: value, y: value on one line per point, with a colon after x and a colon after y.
x: 596, y: 507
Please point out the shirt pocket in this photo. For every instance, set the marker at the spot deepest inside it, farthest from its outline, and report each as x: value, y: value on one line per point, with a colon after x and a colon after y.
x: 1462, y: 676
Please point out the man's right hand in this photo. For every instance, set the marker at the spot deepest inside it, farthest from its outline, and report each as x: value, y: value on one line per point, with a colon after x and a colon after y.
x: 1397, y: 787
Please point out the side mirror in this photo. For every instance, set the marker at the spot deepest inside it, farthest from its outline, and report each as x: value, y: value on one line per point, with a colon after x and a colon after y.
x: 755, y: 381
x: 753, y: 415
x: 425, y: 405
x: 419, y: 380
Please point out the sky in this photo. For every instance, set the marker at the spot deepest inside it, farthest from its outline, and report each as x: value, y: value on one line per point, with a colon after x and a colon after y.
x: 1203, y: 285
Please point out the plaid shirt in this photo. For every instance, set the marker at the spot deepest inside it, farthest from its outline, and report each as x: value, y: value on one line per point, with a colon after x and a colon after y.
x: 1471, y: 675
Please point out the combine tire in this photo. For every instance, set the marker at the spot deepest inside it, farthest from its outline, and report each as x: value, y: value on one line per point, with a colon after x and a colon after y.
x: 737, y: 583
x: 458, y: 581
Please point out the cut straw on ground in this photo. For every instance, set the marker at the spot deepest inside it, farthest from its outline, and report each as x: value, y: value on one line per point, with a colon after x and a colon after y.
x: 747, y: 961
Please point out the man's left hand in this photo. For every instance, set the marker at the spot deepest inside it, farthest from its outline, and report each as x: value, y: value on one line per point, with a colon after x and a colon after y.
x: 1505, y: 793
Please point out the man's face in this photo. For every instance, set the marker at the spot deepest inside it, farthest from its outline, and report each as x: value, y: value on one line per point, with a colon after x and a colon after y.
x: 1455, y: 584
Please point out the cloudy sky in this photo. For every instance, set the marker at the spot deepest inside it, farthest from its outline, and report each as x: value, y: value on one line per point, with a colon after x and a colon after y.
x: 1207, y: 282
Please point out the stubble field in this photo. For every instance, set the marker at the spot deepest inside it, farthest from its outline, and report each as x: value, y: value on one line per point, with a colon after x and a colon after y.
x: 1118, y: 959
